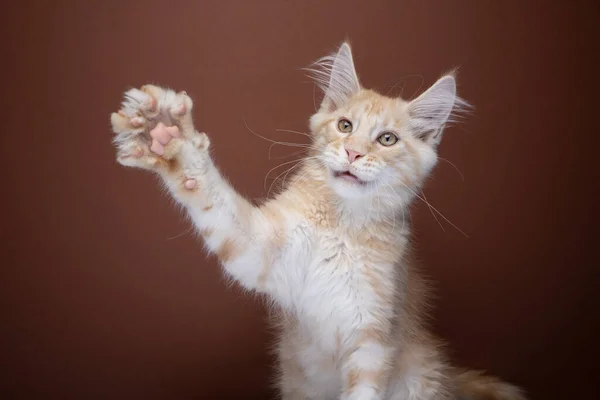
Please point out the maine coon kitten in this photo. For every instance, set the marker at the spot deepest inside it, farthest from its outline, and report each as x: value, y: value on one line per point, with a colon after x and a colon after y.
x: 331, y: 250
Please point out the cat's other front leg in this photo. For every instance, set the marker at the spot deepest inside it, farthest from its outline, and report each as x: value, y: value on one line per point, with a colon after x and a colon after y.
x: 366, y: 370
x: 154, y: 131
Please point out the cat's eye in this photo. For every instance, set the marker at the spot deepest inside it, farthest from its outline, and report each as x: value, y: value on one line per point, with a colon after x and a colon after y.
x: 344, y: 125
x: 387, y: 139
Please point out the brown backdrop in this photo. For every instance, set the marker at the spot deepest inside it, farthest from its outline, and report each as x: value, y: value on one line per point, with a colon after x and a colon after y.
x: 104, y: 292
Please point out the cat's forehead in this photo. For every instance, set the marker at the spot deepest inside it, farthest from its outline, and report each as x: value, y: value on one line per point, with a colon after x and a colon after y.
x: 370, y: 104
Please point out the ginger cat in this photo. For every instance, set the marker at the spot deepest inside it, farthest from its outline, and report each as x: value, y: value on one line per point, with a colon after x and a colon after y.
x: 331, y: 251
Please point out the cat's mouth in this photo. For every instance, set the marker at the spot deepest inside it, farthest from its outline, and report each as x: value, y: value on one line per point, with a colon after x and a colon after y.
x: 348, y: 177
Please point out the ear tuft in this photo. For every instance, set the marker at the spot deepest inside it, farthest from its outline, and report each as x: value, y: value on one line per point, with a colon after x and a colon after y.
x: 336, y: 76
x: 436, y: 107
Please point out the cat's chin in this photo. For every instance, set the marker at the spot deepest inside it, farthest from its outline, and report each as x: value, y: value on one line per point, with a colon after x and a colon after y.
x: 348, y: 185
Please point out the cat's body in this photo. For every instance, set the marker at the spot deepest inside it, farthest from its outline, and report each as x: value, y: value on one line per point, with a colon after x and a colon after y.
x: 335, y: 293
x: 331, y: 250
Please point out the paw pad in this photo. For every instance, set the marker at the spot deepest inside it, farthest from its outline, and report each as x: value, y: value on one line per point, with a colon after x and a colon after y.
x: 137, y: 122
x: 190, y: 184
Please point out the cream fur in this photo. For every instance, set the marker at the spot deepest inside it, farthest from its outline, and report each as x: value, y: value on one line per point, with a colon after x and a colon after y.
x: 331, y: 253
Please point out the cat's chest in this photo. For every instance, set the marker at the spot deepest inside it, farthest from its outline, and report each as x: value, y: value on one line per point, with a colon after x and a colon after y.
x: 333, y: 284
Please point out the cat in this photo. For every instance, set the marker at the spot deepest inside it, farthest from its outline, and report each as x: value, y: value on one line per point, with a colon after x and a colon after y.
x: 331, y: 250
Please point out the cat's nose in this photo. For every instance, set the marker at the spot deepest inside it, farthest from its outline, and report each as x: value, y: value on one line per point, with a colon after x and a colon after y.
x: 353, y: 155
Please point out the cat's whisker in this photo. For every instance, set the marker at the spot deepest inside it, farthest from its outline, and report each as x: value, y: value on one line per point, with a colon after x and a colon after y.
x: 434, y: 209
x: 432, y: 213
x: 279, y: 166
x: 379, y: 206
x: 290, y: 169
x: 402, y: 208
x: 296, y: 153
x: 191, y: 228
x: 396, y: 85
x: 462, y: 177
x: 393, y: 215
x: 403, y: 218
x: 291, y: 131
x: 403, y: 81
x: 286, y: 172
x: 369, y: 212
x: 275, y: 142
x: 308, y: 170
x: 306, y: 146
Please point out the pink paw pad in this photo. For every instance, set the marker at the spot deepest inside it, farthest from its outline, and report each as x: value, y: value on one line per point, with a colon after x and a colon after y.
x: 190, y: 184
x: 137, y: 153
x: 161, y: 136
x: 173, y: 131
x: 157, y: 148
x: 136, y: 122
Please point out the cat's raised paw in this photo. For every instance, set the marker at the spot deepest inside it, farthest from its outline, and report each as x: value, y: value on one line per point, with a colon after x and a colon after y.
x: 152, y: 125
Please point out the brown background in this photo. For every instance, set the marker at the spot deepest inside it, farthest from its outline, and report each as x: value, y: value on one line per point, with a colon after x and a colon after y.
x: 104, y: 293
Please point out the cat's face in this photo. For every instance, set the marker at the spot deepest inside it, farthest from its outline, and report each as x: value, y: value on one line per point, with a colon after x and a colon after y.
x: 367, y: 146
x: 369, y: 143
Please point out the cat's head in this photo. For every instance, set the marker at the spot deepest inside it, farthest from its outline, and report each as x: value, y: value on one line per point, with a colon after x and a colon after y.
x: 370, y: 143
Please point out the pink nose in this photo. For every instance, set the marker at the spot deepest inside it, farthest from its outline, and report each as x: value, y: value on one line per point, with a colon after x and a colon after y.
x: 353, y: 155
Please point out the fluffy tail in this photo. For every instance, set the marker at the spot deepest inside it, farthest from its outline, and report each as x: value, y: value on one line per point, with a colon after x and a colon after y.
x: 474, y: 385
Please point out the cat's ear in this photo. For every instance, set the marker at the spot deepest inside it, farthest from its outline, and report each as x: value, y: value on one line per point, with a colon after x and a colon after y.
x: 433, y: 109
x: 336, y: 76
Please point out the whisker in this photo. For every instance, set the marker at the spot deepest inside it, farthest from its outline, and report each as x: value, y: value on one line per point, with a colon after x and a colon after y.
x: 286, y: 172
x: 434, y: 209
x: 369, y: 212
x: 296, y: 153
x: 455, y: 167
x: 181, y: 234
x: 291, y: 131
x: 432, y: 213
x: 291, y: 144
x: 398, y: 196
x: 290, y: 170
x: 386, y: 192
x: 278, y: 166
x: 403, y: 80
x: 307, y: 171
x: 297, y: 161
x: 306, y: 146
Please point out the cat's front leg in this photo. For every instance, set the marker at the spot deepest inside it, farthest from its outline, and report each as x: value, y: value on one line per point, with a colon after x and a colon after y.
x: 154, y: 131
x: 367, y: 368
